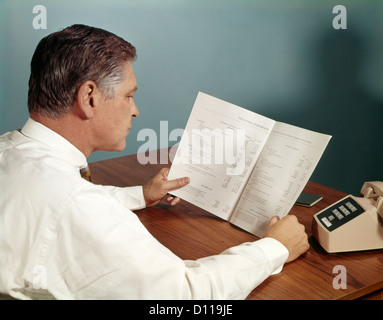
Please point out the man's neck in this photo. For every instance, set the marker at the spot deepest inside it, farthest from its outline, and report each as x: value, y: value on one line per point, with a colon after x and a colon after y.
x: 71, y: 128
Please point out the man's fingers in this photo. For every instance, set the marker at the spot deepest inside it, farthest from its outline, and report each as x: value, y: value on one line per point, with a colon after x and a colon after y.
x: 172, y: 200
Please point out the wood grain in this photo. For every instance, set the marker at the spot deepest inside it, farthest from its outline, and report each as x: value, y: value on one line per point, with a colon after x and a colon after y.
x: 193, y: 233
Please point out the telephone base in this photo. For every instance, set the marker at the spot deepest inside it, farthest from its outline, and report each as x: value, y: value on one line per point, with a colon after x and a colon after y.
x: 351, y: 224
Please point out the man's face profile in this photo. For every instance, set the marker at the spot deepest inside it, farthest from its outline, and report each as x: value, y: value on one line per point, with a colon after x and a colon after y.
x: 113, y: 116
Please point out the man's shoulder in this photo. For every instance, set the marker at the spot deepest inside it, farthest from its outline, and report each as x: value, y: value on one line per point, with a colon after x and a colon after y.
x: 30, y: 167
x: 10, y: 139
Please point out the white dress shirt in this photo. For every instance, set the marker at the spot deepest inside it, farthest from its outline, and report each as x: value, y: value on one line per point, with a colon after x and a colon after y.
x: 63, y: 237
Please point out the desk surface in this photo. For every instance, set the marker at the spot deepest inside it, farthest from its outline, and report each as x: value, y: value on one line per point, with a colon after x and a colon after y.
x: 193, y: 233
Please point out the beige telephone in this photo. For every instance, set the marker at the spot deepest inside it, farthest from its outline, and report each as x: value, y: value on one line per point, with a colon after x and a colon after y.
x: 352, y: 223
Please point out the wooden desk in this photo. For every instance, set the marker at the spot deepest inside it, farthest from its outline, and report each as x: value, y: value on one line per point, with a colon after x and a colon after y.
x: 193, y: 233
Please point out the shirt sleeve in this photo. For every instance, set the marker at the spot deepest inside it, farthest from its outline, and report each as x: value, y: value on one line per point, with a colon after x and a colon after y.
x: 103, y: 251
x: 234, y: 273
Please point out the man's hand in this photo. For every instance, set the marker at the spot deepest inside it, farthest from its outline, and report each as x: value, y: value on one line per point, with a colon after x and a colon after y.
x: 290, y: 233
x: 159, y: 186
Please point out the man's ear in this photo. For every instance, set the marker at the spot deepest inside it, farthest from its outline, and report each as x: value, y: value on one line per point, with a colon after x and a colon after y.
x: 87, y: 99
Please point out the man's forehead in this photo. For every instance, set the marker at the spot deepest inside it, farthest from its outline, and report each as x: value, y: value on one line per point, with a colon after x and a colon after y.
x: 130, y: 82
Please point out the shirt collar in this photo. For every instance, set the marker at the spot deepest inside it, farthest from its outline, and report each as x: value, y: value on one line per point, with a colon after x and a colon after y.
x: 59, y: 144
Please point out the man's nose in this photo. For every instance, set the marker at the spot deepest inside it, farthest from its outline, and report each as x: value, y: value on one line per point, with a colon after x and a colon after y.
x: 135, y: 111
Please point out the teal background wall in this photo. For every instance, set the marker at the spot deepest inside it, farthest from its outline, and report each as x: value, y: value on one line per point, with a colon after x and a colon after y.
x: 279, y: 58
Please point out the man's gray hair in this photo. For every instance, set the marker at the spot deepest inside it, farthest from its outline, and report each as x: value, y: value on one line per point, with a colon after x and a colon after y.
x: 64, y: 60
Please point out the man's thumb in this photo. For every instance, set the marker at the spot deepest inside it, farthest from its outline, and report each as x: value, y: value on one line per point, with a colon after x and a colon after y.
x: 177, y: 183
x: 273, y: 220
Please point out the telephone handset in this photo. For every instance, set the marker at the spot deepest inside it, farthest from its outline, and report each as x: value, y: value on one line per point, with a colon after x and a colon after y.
x: 352, y: 223
x: 374, y: 190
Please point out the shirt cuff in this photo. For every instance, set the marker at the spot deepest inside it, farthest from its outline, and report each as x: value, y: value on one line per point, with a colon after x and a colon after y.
x: 136, y: 197
x: 276, y: 252
x: 130, y: 197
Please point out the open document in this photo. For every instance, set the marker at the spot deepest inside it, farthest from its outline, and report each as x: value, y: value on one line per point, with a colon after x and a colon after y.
x: 243, y: 167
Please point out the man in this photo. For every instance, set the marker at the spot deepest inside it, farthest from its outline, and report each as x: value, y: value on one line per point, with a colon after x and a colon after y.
x: 63, y: 237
